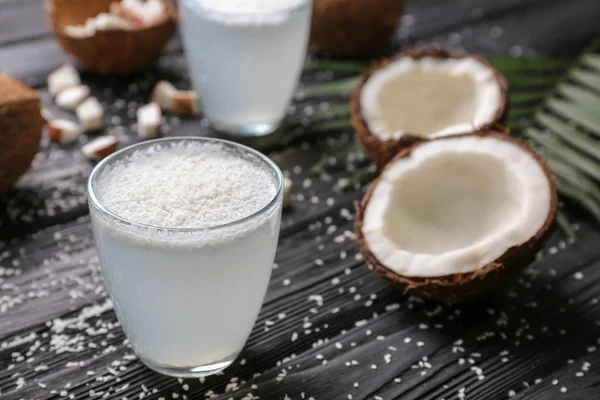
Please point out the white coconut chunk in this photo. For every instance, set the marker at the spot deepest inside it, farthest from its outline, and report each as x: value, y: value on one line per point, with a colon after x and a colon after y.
x: 430, y: 97
x: 80, y: 31
x: 162, y: 94
x: 100, y: 148
x: 63, y: 78
x: 135, y: 7
x: 62, y: 131
x: 184, y: 103
x: 148, y: 121
x: 287, y: 192
x: 179, y: 102
x: 90, y: 114
x: 455, y: 205
x: 115, y: 8
x: 154, y: 12
x: 71, y: 97
x: 101, y: 22
x: 149, y: 11
x: 106, y: 21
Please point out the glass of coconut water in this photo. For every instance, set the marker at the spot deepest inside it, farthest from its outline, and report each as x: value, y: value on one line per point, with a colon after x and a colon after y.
x: 245, y: 58
x: 186, y: 231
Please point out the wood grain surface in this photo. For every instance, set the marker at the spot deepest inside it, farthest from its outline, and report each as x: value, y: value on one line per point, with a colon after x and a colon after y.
x: 329, y: 328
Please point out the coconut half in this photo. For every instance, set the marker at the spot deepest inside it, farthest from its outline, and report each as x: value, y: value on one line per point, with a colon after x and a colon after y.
x: 117, y: 48
x: 425, y: 94
x: 447, y: 218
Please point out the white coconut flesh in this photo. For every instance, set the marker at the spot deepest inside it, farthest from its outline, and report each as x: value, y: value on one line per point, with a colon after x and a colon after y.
x: 430, y: 97
x: 455, y: 205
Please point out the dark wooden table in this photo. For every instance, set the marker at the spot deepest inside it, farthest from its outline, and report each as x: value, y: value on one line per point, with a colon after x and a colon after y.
x: 329, y: 328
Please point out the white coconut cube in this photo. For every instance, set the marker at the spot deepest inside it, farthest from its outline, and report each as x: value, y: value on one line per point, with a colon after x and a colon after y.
x: 62, y: 131
x: 162, y: 94
x: 70, y: 98
x: 63, y: 78
x: 100, y: 148
x: 90, y: 114
x: 148, y: 121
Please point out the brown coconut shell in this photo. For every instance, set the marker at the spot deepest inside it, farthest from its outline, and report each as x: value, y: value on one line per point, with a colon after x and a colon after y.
x: 114, y: 51
x: 351, y: 27
x: 462, y: 285
x: 381, y: 151
x: 21, y: 126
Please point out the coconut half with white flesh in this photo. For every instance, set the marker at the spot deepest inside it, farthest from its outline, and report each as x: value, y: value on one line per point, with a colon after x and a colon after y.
x: 448, y: 218
x: 423, y: 94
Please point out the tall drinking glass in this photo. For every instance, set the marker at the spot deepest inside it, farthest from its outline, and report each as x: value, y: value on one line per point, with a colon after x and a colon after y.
x: 245, y: 59
x: 187, y: 298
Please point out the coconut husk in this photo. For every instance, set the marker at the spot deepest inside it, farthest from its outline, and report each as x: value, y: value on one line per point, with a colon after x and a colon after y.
x: 381, y: 151
x: 462, y: 285
x: 109, y: 51
x: 353, y: 28
x: 21, y: 125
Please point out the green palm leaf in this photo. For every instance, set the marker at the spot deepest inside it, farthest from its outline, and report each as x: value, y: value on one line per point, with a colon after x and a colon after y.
x: 572, y: 136
x: 591, y: 60
x: 577, y: 113
x: 590, y: 78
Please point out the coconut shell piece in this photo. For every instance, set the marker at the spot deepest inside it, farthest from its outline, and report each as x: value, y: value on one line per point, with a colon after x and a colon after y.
x: 21, y: 126
x: 115, y: 51
x: 353, y: 28
x: 462, y: 285
x: 381, y: 151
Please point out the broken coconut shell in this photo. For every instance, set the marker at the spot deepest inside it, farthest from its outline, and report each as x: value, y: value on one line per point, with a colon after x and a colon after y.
x: 458, y: 286
x: 382, y: 150
x: 114, y: 51
x: 353, y: 28
x: 21, y: 126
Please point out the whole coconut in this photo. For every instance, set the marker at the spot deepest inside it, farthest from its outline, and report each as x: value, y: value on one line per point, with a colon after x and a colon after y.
x: 353, y: 27
x: 21, y: 126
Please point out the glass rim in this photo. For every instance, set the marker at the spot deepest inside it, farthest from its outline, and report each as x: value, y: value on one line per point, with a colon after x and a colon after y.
x: 266, y: 160
x: 290, y: 8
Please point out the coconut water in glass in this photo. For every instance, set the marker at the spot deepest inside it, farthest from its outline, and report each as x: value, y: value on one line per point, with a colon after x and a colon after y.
x: 245, y: 58
x: 186, y: 231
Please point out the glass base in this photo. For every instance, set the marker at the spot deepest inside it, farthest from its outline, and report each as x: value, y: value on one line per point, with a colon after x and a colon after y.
x: 245, y: 130
x: 189, y: 372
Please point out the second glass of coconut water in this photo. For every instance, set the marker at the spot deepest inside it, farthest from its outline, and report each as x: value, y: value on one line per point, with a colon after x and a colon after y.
x: 245, y: 59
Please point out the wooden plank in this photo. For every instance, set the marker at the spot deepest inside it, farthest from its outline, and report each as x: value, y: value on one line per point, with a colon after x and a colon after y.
x: 21, y: 21
x: 537, y: 329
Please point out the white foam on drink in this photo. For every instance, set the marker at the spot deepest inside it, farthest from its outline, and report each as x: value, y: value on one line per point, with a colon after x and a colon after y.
x: 248, y: 11
x: 185, y: 185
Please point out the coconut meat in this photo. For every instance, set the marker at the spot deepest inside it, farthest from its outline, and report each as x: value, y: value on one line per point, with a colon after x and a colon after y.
x: 455, y: 205
x: 430, y: 97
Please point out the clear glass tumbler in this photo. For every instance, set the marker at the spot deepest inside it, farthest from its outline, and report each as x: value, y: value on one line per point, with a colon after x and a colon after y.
x: 187, y: 299
x: 245, y: 64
